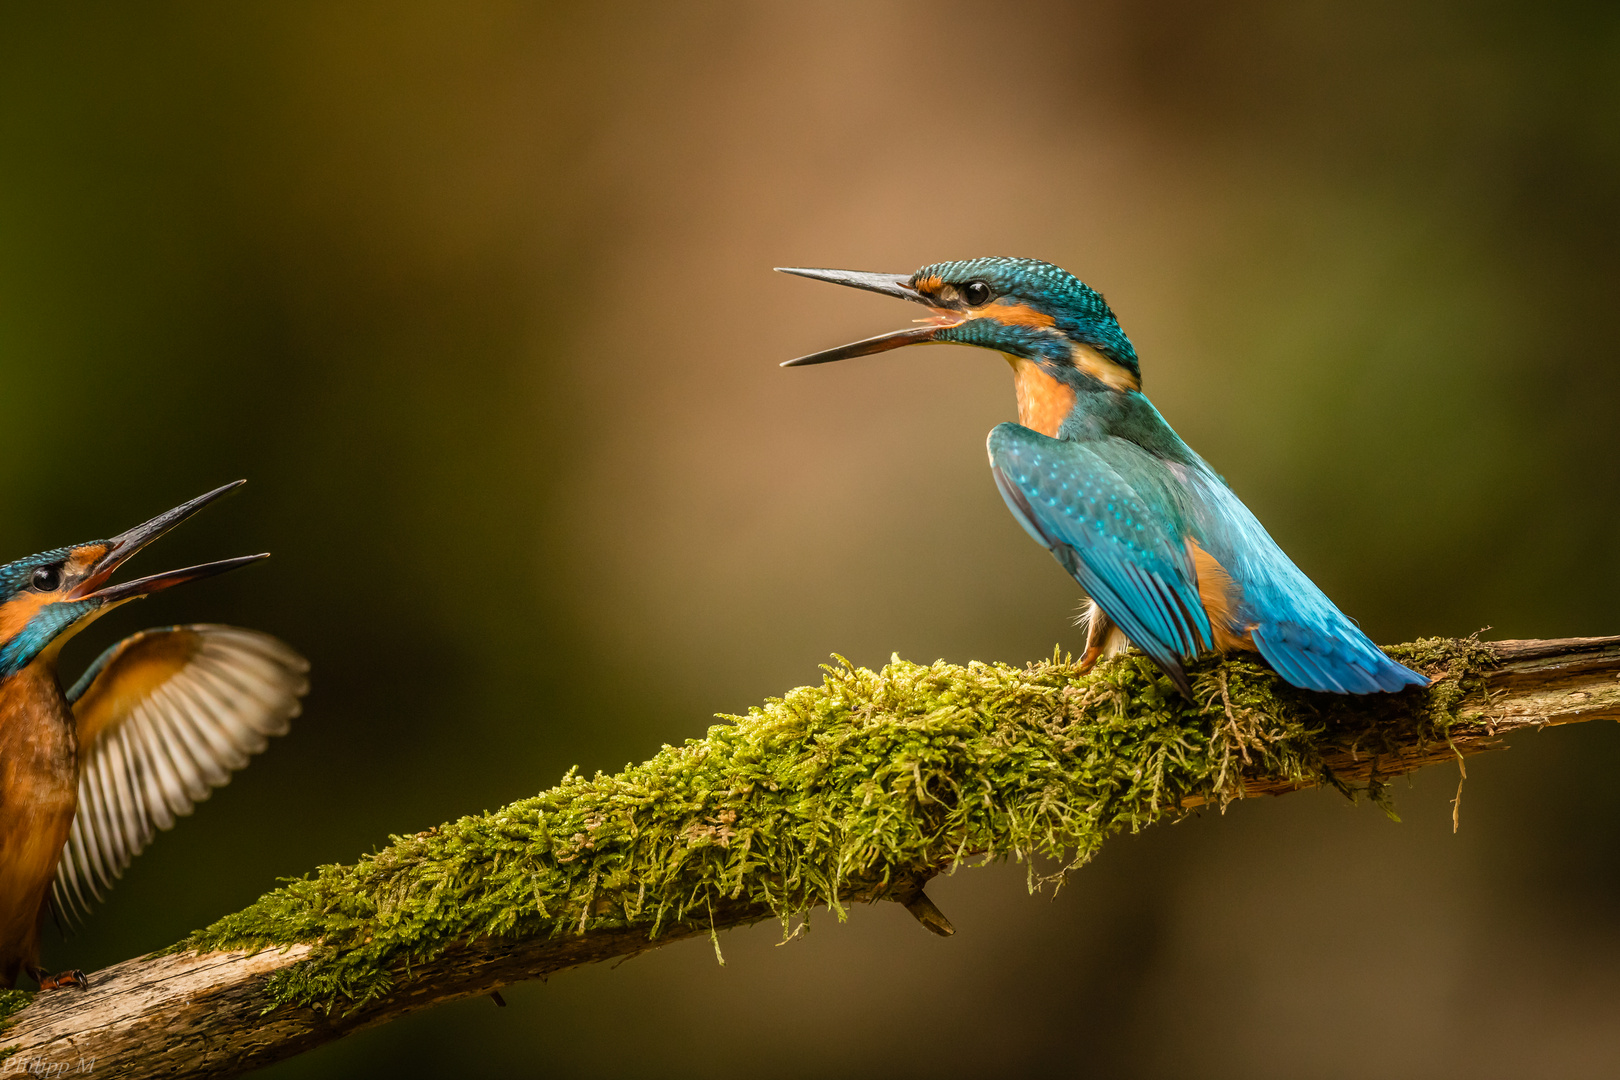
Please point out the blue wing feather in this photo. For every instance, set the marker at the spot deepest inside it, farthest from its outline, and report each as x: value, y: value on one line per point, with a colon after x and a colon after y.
x: 1106, y: 533
x: 1118, y: 519
x: 1294, y: 625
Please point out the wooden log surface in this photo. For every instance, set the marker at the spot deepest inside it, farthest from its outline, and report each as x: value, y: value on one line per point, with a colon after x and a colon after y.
x: 1541, y: 683
x: 190, y: 1015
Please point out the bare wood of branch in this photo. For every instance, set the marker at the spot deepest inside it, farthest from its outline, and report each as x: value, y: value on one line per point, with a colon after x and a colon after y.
x: 206, y: 1015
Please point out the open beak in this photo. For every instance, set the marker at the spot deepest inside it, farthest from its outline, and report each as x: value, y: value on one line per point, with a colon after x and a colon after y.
x: 126, y: 544
x: 897, y: 285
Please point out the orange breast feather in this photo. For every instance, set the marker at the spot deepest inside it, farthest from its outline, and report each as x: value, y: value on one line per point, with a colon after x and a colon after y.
x: 1043, y: 401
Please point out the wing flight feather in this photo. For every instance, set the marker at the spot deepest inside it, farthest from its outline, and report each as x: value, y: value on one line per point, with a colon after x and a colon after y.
x: 164, y: 717
x: 1078, y: 505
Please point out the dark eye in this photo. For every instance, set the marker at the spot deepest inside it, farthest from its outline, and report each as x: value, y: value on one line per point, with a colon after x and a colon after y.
x: 976, y: 293
x: 48, y: 578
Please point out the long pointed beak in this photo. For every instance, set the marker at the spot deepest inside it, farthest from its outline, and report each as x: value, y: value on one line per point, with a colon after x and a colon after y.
x: 146, y: 586
x: 917, y: 335
x: 121, y: 547
x: 896, y: 285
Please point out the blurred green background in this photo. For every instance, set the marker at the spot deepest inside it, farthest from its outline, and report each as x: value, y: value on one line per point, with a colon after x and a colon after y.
x: 478, y: 297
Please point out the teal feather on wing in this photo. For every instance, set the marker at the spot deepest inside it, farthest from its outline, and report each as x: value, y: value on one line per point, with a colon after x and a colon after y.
x: 1110, y: 535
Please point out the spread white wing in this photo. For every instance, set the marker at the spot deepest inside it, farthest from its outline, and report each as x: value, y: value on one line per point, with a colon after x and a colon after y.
x: 164, y: 717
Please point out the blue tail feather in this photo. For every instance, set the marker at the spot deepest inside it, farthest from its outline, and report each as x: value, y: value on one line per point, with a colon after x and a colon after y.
x: 1341, y: 664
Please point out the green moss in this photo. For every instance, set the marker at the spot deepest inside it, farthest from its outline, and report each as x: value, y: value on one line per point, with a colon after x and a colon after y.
x: 11, y: 1003
x: 870, y: 780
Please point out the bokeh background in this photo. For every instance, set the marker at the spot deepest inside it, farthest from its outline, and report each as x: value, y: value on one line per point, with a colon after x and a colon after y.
x: 477, y: 295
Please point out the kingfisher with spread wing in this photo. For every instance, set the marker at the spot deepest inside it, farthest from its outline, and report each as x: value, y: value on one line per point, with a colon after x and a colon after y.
x: 1172, y: 561
x: 158, y: 721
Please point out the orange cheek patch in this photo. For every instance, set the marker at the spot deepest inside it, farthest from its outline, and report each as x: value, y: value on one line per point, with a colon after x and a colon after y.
x: 17, y: 612
x: 1043, y: 402
x: 1013, y: 313
x: 930, y: 284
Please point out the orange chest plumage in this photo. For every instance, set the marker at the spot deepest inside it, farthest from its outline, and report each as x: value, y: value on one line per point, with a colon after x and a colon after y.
x: 39, y: 749
x: 1043, y: 401
x: 38, y: 797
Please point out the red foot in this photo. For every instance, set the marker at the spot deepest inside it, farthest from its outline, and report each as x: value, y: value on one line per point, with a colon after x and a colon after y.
x: 63, y: 979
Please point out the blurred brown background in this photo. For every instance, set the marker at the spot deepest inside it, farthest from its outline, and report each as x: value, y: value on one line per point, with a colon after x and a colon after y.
x: 478, y: 297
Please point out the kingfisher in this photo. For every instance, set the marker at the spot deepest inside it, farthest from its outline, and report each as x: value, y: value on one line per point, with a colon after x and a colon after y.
x: 1170, y: 559
x: 159, y: 720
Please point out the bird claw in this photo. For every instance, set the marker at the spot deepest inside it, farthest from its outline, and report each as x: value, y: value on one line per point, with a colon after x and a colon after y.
x: 63, y: 979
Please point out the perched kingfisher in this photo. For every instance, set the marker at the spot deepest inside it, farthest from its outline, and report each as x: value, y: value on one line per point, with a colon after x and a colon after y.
x: 1171, y: 560
x: 157, y: 722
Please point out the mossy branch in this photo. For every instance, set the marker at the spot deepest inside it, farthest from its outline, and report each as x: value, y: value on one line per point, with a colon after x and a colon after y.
x: 857, y: 790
